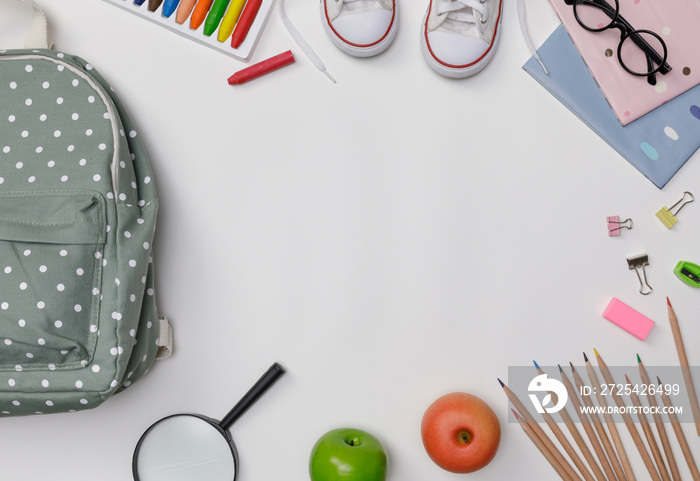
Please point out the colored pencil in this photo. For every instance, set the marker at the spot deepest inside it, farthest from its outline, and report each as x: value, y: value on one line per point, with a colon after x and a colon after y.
x: 628, y: 420
x: 564, y: 442
x: 571, y: 473
x: 659, y: 423
x: 543, y: 449
x: 651, y: 441
x: 679, y: 433
x: 573, y: 397
x: 612, y: 427
x: 598, y: 425
x: 683, y: 358
x: 583, y: 447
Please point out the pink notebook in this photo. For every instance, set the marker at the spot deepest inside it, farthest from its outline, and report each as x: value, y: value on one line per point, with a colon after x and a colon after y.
x: 630, y: 97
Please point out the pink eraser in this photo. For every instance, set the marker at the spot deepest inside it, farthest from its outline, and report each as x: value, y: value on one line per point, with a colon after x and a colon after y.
x: 627, y: 318
x: 613, y: 225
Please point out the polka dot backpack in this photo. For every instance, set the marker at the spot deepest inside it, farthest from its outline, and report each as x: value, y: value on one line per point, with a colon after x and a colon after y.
x: 78, y: 318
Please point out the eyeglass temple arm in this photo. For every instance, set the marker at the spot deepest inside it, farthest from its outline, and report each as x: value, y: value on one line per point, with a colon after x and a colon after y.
x: 651, y: 53
x: 636, y: 38
x: 651, y: 78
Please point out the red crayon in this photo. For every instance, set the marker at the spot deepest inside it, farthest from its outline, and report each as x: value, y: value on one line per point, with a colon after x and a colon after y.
x: 261, y: 68
x: 245, y: 22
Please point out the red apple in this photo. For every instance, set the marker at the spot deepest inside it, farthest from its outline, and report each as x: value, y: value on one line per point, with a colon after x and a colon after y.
x: 460, y: 432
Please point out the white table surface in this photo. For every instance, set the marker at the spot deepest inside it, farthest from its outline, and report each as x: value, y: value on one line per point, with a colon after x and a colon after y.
x: 388, y: 239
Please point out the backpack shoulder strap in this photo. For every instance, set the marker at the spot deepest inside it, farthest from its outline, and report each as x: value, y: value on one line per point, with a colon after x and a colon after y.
x: 38, y: 36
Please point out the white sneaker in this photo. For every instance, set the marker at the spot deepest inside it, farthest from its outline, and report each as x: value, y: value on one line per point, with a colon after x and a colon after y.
x: 460, y: 36
x: 361, y: 28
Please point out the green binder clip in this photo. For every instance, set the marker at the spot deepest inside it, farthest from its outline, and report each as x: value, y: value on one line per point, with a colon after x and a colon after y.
x: 688, y: 272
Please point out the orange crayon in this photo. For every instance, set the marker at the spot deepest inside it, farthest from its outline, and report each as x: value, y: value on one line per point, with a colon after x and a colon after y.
x: 200, y: 13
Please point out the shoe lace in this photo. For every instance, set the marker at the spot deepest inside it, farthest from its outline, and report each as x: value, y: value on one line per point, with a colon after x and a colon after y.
x: 303, y: 44
x: 526, y: 34
x: 462, y: 14
x: 358, y: 4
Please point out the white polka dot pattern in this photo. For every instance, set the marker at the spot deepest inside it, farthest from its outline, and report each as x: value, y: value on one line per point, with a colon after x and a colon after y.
x: 77, y: 217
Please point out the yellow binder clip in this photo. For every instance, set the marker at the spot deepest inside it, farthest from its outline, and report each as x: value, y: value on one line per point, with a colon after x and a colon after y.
x: 667, y: 217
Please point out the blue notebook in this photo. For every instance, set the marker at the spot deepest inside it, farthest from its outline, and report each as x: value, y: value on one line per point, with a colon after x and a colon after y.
x: 657, y: 144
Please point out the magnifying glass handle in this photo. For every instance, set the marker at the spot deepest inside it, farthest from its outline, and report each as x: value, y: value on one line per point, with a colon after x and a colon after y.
x: 258, y: 389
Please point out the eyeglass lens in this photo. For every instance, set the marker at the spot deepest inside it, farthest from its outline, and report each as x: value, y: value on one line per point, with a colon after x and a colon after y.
x: 596, y: 15
x: 640, y: 52
x: 633, y: 58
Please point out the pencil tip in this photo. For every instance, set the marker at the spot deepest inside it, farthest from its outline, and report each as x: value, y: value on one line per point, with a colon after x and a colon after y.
x: 514, y: 412
x: 572, y: 367
x: 560, y: 369
x: 628, y: 379
x: 585, y: 358
x: 638, y: 359
x: 668, y: 302
x: 535, y: 363
x: 658, y: 380
x: 502, y: 385
x: 596, y: 352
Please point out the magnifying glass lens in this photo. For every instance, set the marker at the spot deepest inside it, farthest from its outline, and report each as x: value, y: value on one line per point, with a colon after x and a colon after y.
x: 184, y: 448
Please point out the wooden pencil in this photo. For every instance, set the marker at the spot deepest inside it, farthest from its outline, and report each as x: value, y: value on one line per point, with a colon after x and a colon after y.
x: 602, y: 435
x: 659, y: 423
x: 583, y: 447
x: 628, y: 420
x: 564, y: 442
x: 651, y: 440
x: 587, y: 426
x: 687, y: 454
x: 683, y: 358
x: 543, y: 449
x: 612, y: 427
x: 540, y: 433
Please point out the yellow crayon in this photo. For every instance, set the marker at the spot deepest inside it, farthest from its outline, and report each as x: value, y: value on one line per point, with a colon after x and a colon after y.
x: 230, y: 19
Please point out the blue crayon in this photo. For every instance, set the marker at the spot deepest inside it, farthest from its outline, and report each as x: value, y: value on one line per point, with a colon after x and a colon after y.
x: 139, y: 2
x: 169, y: 7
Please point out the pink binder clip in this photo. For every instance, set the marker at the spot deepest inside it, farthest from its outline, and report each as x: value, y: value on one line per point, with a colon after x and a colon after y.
x: 615, y: 225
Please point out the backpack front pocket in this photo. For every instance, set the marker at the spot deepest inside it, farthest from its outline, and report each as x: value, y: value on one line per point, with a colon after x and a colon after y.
x: 50, y: 273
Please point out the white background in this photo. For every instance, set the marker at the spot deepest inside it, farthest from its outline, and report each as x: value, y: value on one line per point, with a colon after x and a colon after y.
x: 388, y: 239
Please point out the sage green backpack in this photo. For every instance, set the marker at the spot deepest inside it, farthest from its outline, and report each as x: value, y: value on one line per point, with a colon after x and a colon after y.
x: 78, y: 318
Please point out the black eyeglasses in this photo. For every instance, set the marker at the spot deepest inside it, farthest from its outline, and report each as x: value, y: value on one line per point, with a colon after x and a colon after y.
x: 640, y: 52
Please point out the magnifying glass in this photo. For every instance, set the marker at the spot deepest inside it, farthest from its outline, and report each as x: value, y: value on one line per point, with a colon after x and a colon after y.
x: 191, y: 447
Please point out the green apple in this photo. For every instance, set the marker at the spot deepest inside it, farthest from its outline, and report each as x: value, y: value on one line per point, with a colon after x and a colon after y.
x: 348, y: 454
